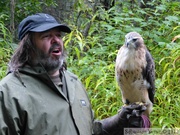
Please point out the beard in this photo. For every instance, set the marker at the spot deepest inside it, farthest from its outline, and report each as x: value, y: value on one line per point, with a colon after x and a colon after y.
x: 49, y: 63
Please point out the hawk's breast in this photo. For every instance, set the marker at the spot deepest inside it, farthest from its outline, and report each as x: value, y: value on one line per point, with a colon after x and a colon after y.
x: 129, y: 72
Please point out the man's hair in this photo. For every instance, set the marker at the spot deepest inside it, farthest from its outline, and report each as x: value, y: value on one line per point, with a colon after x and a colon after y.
x: 23, y: 53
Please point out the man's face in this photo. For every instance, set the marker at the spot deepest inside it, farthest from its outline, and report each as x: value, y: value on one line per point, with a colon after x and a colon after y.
x: 49, y: 47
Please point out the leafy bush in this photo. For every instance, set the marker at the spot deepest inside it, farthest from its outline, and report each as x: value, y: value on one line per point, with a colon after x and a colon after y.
x: 167, y: 104
x: 5, y: 48
x: 92, y: 57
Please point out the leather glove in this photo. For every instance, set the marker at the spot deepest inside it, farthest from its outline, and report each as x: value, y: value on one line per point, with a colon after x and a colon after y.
x: 135, y: 119
x: 128, y: 116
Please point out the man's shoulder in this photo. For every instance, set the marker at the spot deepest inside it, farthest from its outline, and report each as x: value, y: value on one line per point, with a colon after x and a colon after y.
x: 10, y: 83
x: 70, y: 74
x: 8, y: 78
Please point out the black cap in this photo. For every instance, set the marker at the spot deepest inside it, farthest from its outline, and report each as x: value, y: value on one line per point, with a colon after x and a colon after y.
x: 38, y: 23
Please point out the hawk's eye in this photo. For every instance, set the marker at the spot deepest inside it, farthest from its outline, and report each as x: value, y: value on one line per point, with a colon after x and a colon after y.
x: 134, y: 40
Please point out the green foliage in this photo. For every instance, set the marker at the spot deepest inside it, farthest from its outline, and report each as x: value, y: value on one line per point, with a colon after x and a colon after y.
x: 5, y: 48
x: 92, y: 58
x: 168, y: 97
x: 31, y: 7
x: 89, y: 57
x: 22, y: 9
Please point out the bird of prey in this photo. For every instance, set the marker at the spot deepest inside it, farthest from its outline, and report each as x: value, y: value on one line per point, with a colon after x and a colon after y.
x: 135, y: 72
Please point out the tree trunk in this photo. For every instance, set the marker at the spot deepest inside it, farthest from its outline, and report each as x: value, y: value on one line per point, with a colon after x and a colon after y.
x: 63, y: 11
x: 12, y: 8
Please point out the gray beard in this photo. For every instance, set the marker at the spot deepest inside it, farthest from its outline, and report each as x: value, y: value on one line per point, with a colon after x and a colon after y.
x: 51, y: 64
x: 48, y: 63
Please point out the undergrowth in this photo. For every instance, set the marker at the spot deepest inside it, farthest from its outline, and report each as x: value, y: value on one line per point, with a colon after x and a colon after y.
x: 5, y: 48
x: 92, y: 58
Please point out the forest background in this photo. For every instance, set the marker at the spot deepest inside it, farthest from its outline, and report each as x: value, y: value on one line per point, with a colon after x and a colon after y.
x: 98, y: 30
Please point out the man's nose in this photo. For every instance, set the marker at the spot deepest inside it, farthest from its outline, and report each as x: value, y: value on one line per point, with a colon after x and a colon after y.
x: 55, y: 39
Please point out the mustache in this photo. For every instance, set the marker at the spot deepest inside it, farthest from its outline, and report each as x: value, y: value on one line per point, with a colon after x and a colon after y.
x: 53, y: 46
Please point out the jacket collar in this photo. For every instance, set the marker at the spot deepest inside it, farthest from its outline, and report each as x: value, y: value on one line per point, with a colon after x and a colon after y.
x: 67, y: 79
x: 41, y: 74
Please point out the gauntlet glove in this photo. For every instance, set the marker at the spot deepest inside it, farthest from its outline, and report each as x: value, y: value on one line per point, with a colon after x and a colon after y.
x: 128, y: 116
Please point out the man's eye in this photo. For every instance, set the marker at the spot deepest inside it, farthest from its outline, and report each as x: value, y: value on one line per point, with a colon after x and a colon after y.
x: 59, y: 35
x: 44, y: 36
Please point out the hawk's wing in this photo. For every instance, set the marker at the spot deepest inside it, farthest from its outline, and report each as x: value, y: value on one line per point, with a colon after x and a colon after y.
x: 149, y: 75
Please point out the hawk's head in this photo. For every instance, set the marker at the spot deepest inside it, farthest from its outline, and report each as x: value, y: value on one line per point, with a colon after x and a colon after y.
x: 133, y: 40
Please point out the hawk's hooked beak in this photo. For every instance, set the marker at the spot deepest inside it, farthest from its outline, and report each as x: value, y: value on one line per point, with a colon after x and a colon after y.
x: 130, y: 42
x: 127, y: 42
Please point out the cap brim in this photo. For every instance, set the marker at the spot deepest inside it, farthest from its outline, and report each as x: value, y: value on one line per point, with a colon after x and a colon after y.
x: 48, y: 26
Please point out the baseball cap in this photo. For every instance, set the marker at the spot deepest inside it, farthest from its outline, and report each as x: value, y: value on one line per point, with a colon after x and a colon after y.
x: 38, y: 23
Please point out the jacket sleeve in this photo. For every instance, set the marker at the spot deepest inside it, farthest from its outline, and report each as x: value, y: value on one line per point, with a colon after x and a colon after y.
x: 97, y: 128
x: 108, y: 126
x: 9, y: 115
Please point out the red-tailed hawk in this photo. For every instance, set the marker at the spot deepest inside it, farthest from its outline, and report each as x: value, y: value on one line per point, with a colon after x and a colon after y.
x: 135, y: 72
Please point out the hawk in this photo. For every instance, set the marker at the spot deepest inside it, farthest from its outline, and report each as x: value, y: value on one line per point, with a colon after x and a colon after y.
x: 135, y: 72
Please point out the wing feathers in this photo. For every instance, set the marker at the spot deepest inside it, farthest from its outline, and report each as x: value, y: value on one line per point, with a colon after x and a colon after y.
x: 149, y: 75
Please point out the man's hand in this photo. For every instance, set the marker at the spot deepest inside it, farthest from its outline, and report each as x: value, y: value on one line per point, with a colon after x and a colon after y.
x: 132, y: 116
x: 131, y: 110
x: 129, y: 116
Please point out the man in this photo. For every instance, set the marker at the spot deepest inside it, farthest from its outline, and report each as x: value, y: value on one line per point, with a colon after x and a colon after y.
x: 39, y: 96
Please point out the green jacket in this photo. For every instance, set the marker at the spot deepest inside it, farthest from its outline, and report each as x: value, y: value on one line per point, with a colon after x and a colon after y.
x: 30, y: 104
